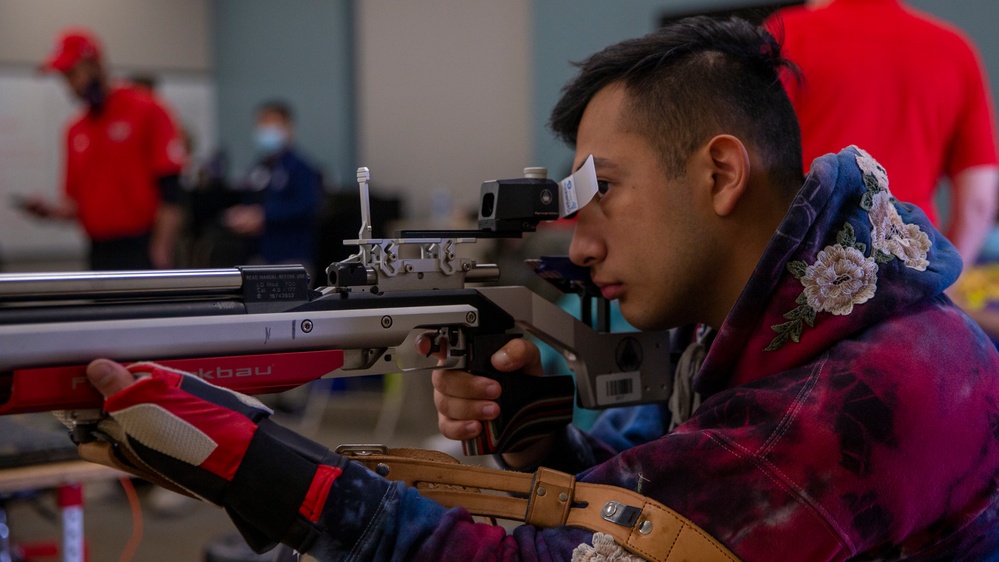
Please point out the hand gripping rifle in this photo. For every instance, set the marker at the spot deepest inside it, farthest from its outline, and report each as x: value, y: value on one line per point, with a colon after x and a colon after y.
x: 262, y: 329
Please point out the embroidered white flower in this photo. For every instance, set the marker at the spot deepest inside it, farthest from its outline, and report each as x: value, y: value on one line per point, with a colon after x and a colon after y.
x: 604, y: 549
x: 892, y: 236
x: 869, y: 166
x: 840, y: 278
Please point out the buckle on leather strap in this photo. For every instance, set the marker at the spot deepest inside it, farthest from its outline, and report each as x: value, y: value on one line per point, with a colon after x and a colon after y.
x: 620, y: 514
x: 361, y: 449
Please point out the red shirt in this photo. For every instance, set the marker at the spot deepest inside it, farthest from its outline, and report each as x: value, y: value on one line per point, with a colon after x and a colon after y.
x: 900, y: 84
x: 113, y: 162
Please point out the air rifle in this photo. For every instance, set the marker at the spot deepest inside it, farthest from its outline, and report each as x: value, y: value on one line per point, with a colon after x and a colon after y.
x: 261, y: 329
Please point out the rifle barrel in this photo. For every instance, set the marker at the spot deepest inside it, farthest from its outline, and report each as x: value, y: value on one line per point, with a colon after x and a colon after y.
x: 79, y: 285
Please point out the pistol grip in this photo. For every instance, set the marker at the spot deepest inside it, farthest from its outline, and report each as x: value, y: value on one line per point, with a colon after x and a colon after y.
x: 530, y: 407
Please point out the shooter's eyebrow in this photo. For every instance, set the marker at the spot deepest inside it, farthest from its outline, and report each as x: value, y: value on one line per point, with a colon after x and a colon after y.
x: 598, y: 162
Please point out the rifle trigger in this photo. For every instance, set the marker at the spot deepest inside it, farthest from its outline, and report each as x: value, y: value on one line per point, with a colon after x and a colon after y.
x: 437, y: 342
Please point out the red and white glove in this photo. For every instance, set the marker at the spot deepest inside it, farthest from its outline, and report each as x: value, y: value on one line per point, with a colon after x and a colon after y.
x: 221, y: 446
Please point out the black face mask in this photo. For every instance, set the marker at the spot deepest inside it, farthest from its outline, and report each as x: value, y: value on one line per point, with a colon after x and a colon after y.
x: 94, y: 94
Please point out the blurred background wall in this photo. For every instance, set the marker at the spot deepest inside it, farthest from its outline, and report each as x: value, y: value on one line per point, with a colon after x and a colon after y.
x: 301, y: 51
x: 434, y: 96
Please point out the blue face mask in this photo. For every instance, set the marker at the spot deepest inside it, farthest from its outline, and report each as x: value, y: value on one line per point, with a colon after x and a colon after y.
x: 270, y: 139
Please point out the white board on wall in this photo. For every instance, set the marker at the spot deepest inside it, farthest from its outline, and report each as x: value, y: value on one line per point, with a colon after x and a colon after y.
x: 34, y: 111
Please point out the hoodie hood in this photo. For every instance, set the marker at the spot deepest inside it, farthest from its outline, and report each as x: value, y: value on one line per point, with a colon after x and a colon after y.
x: 846, y: 256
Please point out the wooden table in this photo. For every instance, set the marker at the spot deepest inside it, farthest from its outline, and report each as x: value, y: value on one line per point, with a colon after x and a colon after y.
x: 54, y: 475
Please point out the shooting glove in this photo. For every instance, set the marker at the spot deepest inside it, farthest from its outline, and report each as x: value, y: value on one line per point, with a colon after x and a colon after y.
x: 218, y: 445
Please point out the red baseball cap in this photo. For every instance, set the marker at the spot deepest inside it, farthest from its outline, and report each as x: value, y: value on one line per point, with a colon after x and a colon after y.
x: 72, y: 46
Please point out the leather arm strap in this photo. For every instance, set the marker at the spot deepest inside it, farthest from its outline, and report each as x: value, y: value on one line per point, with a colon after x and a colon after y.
x: 548, y: 498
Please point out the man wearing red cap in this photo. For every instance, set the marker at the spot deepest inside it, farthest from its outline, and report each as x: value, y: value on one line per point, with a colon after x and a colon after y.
x: 123, y: 160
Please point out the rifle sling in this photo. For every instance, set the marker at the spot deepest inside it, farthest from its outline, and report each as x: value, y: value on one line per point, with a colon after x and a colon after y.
x: 549, y: 498
x: 545, y: 498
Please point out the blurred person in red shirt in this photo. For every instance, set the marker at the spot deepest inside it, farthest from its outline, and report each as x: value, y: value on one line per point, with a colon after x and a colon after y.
x: 909, y: 89
x: 124, y: 155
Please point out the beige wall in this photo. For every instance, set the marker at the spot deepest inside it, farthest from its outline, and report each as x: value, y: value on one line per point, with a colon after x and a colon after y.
x: 137, y: 34
x: 443, y: 95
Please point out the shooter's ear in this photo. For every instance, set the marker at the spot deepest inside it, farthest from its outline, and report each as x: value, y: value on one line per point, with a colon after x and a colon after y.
x: 729, y: 165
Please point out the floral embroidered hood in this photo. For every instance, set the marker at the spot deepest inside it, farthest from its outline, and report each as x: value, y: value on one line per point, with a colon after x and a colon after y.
x: 846, y: 256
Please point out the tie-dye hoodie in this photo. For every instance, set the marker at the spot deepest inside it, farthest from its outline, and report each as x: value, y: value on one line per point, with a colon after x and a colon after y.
x: 850, y: 411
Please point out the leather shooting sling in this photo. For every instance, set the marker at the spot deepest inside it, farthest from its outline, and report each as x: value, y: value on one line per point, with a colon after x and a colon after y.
x: 547, y: 498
